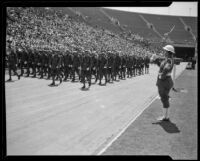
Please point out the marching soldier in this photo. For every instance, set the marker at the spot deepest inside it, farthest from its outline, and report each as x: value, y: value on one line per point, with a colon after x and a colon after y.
x: 113, y: 69
x: 141, y: 65
x: 146, y: 63
x: 20, y: 53
x: 133, y: 67
x: 49, y: 63
x: 94, y: 65
x: 29, y: 61
x: 59, y: 73
x: 66, y: 58
x: 137, y: 65
x: 33, y: 62
x: 43, y: 62
x: 75, y: 65
x: 123, y: 67
x: 86, y: 69
x: 110, y: 67
x: 12, y: 62
x: 129, y: 66
x: 117, y: 66
x: 102, y: 67
x: 55, y: 64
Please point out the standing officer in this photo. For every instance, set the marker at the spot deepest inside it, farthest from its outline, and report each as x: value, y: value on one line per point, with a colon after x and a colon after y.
x: 164, y: 80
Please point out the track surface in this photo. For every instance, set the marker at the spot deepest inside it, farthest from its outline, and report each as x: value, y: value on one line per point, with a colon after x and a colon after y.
x: 64, y: 120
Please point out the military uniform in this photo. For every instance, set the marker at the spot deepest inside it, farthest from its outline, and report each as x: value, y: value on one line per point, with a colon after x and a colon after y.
x: 110, y: 67
x: 49, y: 64
x: 142, y: 65
x: 21, y: 60
x: 133, y: 65
x: 103, y: 68
x: 129, y: 66
x: 117, y: 66
x: 12, y: 63
x: 146, y: 62
x: 29, y: 61
x: 94, y: 65
x: 123, y: 67
x: 164, y: 81
x: 86, y: 65
x: 55, y: 64
x: 75, y: 66
x: 66, y: 65
x: 33, y: 62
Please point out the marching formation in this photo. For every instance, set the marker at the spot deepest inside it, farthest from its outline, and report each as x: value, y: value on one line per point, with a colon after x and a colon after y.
x: 48, y: 43
x: 76, y: 65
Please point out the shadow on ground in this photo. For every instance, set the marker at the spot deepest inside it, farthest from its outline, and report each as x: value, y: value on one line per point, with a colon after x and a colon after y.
x: 53, y: 85
x: 84, y: 89
x: 9, y: 81
x: 168, y: 126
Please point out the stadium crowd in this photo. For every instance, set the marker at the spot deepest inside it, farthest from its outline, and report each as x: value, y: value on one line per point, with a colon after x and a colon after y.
x: 53, y: 44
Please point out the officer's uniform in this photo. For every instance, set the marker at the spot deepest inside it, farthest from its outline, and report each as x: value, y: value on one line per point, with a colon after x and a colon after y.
x: 164, y: 81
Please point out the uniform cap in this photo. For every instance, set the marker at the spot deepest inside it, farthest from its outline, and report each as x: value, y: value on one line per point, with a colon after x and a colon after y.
x: 169, y: 48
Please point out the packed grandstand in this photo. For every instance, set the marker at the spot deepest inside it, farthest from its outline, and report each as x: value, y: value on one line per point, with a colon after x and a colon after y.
x: 95, y: 29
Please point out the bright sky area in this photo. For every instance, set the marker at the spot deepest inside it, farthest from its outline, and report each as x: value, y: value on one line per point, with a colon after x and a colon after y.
x: 176, y: 9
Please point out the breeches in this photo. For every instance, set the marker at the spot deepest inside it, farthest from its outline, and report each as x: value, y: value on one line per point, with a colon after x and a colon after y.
x: 164, y: 87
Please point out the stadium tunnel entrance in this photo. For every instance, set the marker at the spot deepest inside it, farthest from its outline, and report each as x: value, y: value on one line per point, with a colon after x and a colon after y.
x: 186, y: 53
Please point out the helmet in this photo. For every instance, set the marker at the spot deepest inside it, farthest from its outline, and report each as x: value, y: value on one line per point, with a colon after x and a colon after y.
x: 169, y: 48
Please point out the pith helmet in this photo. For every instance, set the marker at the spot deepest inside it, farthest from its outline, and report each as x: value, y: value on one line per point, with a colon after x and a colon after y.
x: 169, y: 48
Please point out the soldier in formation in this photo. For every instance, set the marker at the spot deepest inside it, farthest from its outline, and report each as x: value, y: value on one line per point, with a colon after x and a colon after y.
x: 12, y: 61
x: 71, y: 64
